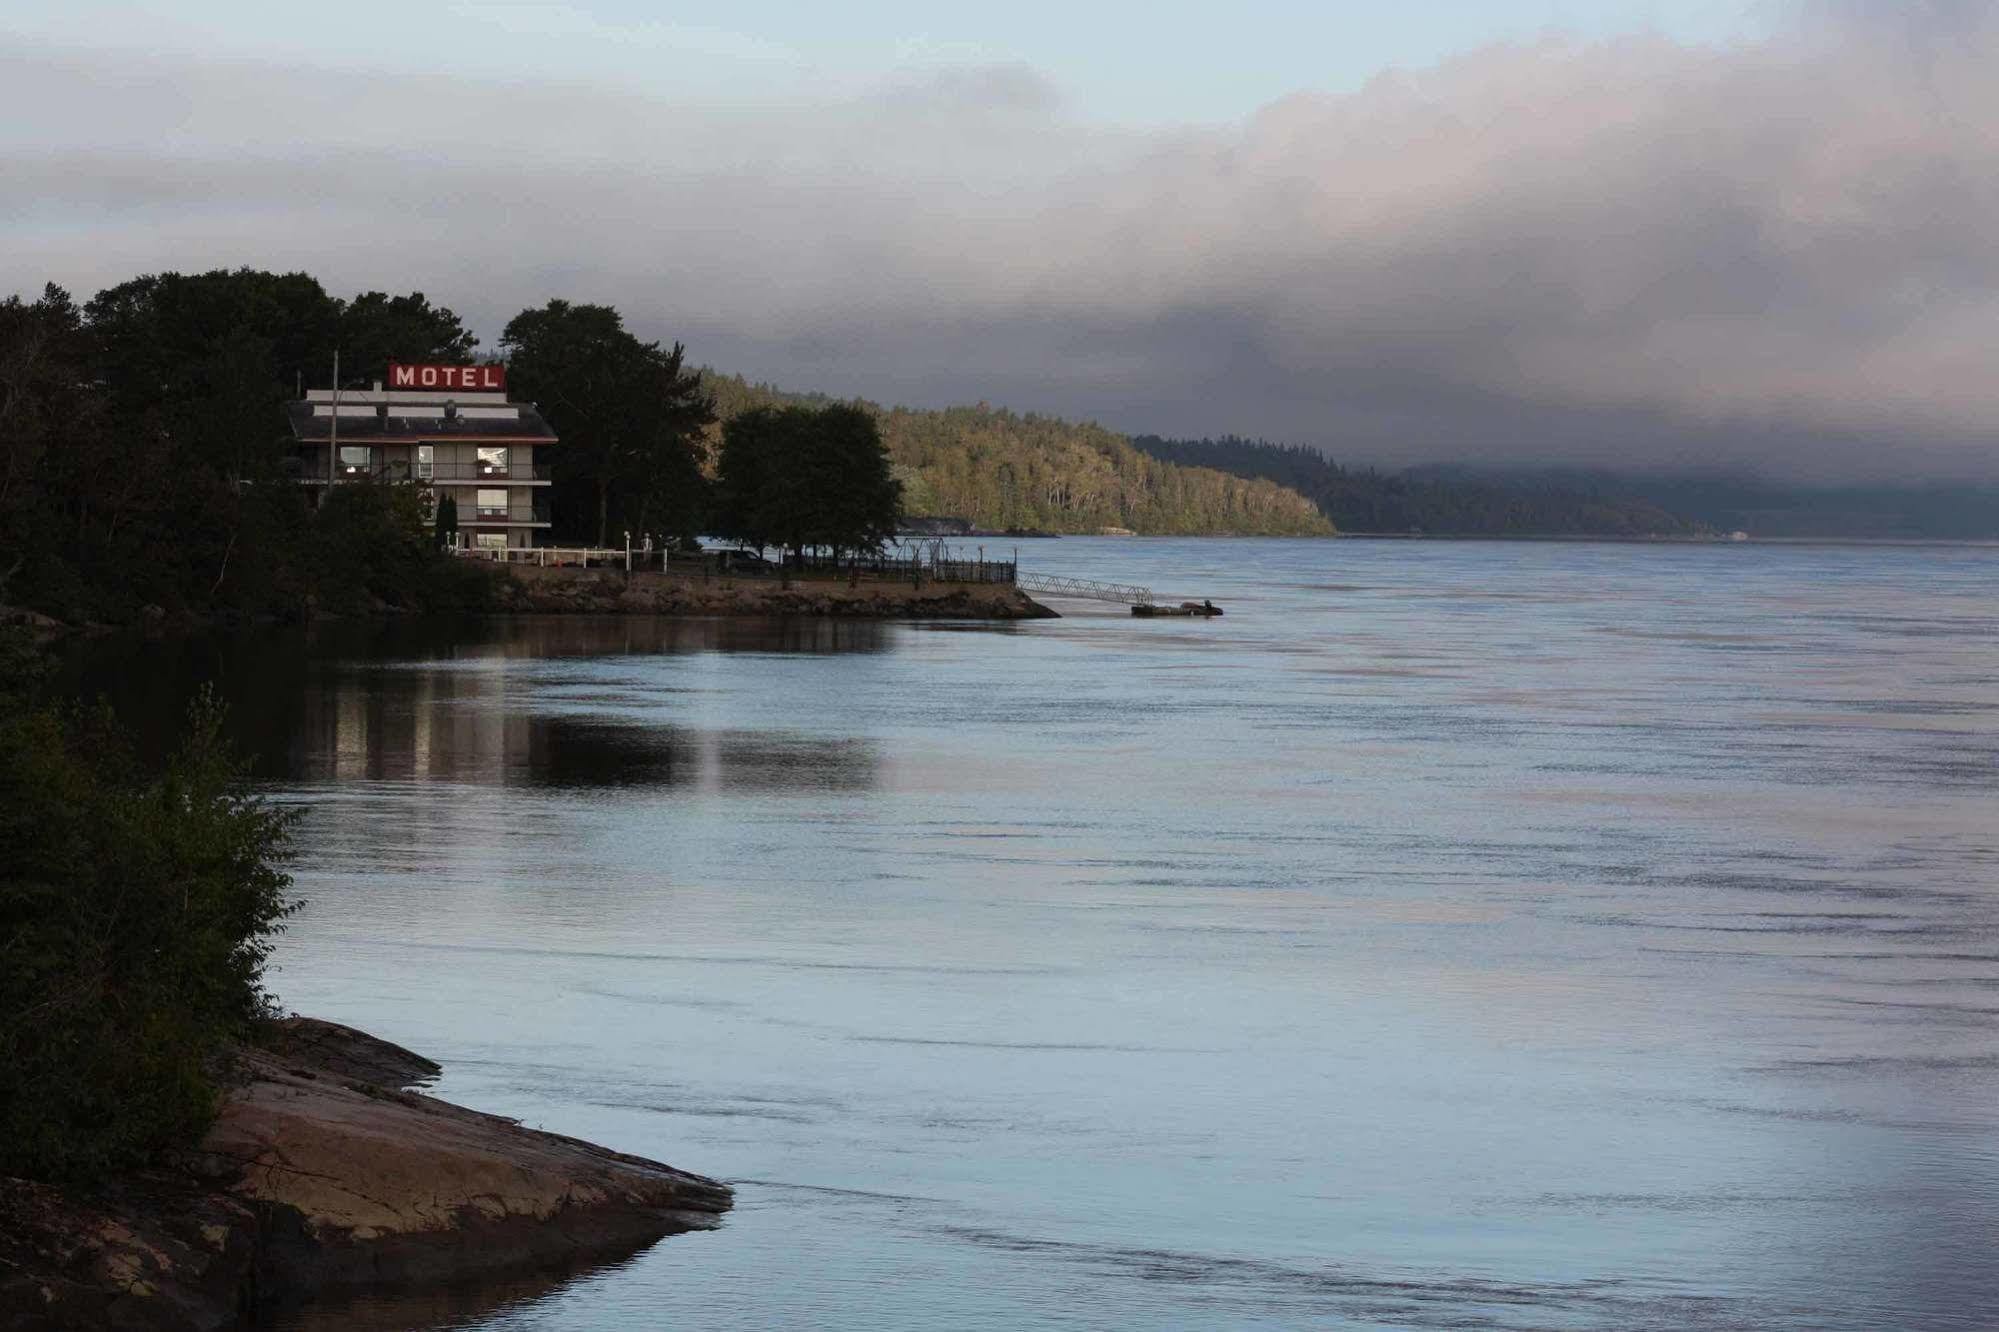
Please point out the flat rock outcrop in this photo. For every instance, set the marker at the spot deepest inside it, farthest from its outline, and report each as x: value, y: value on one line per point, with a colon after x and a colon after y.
x: 322, y: 1173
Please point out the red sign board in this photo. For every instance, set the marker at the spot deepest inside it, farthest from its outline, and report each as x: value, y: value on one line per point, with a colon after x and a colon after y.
x: 475, y: 378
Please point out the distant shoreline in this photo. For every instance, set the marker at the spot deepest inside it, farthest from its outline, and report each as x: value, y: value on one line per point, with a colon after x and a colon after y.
x: 1751, y: 540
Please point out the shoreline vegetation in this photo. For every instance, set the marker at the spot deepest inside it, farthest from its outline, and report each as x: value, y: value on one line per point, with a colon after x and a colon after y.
x: 147, y: 473
x: 173, y: 1153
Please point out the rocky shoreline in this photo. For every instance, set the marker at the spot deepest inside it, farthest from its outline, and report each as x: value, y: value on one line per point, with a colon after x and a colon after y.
x: 534, y: 589
x: 324, y: 1173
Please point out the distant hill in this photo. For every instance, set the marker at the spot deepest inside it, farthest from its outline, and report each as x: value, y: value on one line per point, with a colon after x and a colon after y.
x: 1002, y: 470
x: 1438, y: 502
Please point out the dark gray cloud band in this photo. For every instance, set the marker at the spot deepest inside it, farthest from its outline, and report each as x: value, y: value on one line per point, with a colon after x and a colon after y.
x: 1781, y: 255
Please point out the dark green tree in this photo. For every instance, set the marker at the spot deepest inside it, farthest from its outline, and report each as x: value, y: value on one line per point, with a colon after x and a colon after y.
x: 376, y: 328
x: 58, y: 456
x: 631, y: 417
x: 447, y: 522
x: 760, y: 498
x: 863, y: 498
x: 214, y: 356
x: 806, y: 477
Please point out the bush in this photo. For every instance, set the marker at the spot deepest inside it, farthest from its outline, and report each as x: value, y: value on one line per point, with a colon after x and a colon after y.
x: 136, y: 915
x: 371, y: 548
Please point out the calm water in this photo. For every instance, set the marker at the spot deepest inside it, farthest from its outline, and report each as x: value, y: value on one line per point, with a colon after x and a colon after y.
x: 1455, y: 935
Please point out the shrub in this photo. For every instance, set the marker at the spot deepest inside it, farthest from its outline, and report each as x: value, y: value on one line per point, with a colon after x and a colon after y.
x: 371, y: 548
x: 136, y: 915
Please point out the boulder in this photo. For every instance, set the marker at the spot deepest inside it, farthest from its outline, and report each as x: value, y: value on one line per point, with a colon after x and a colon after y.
x: 323, y: 1173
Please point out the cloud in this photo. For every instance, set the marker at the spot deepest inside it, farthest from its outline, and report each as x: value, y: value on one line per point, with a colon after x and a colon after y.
x: 1781, y: 254
x: 552, y: 19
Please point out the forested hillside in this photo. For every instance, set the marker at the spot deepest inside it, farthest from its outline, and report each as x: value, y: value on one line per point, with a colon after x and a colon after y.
x: 1360, y: 501
x: 1006, y: 471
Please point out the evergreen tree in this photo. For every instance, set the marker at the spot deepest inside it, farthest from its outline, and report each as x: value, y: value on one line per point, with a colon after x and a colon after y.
x: 631, y: 416
x: 862, y: 499
x: 802, y: 478
x: 447, y: 522
x: 376, y: 328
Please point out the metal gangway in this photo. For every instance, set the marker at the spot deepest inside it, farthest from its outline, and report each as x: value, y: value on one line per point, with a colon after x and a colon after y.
x: 1054, y: 585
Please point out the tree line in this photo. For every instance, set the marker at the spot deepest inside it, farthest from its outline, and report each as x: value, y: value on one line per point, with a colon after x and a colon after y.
x: 1004, y: 471
x: 143, y: 452
x: 145, y: 464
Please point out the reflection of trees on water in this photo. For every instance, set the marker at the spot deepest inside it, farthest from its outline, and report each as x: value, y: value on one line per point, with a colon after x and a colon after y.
x: 457, y: 1305
x: 438, y: 702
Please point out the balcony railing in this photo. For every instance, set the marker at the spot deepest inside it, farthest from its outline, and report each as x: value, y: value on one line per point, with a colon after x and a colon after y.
x: 510, y: 513
x: 306, y: 469
x: 478, y: 472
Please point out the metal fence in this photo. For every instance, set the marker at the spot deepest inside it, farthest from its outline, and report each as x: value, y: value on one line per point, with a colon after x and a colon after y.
x: 1055, y: 585
x: 934, y: 566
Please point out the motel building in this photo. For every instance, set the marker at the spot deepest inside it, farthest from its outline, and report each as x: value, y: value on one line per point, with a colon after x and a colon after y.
x: 450, y: 428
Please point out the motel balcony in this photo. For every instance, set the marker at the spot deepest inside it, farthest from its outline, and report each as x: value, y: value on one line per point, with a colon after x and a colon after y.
x: 364, y: 465
x: 516, y: 473
x: 512, y: 513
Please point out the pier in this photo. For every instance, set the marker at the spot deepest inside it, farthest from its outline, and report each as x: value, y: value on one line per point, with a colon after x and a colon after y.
x: 1083, y: 589
x: 1140, y: 599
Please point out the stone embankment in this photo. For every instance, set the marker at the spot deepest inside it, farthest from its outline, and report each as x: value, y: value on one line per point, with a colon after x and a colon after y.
x: 323, y: 1173
x: 531, y: 588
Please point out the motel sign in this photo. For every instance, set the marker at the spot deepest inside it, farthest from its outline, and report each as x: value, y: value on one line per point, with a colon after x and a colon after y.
x: 478, y: 378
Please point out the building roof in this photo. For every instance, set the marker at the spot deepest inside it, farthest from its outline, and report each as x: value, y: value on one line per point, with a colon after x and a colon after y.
x: 419, y: 422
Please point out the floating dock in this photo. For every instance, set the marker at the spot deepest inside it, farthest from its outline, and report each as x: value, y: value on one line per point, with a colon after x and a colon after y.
x: 1201, y: 608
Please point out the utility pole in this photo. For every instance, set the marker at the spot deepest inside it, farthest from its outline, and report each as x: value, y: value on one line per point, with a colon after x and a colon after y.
x: 333, y: 445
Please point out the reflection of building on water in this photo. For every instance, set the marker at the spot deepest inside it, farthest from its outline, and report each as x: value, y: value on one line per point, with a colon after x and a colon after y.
x: 527, y: 637
x: 468, y: 720
x: 400, y: 724
x: 421, y: 700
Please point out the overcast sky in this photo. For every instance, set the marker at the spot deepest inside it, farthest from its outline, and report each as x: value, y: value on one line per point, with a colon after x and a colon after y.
x: 1644, y: 234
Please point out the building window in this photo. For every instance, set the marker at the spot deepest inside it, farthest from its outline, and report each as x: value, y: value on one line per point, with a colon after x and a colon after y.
x: 426, y: 466
x: 490, y: 504
x: 356, y: 459
x: 493, y: 461
x: 490, y: 540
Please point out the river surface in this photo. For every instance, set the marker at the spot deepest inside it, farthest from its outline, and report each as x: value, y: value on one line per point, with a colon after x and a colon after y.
x: 1455, y: 935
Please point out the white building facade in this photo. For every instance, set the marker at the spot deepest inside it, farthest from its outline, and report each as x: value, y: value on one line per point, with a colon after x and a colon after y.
x: 468, y: 441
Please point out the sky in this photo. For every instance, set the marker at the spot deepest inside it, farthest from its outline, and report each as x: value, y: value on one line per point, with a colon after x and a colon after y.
x: 1751, y: 236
